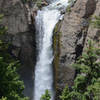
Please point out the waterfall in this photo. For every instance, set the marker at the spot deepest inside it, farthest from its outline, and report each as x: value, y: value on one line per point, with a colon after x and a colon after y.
x: 46, y: 20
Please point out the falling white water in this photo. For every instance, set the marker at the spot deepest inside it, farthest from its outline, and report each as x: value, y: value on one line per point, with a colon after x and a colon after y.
x: 46, y: 20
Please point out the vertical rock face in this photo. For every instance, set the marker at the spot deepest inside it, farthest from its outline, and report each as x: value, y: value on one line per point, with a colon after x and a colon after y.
x: 22, y: 37
x: 94, y: 33
x: 74, y: 30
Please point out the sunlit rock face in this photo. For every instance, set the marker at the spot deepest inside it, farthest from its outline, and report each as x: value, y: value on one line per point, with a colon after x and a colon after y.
x: 94, y: 33
x: 74, y: 30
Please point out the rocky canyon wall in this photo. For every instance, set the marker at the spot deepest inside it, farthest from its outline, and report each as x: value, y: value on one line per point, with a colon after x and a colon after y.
x: 74, y: 32
x: 21, y: 33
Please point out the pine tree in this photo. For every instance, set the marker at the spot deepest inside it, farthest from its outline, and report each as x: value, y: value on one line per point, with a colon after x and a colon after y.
x: 11, y: 87
x: 87, y: 82
x: 46, y: 96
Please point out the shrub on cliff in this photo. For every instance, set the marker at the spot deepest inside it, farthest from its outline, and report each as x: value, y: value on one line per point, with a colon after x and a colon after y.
x: 11, y: 87
x: 87, y: 82
x: 96, y: 22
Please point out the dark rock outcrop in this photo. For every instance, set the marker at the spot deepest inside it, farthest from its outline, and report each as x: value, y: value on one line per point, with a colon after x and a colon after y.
x: 22, y: 37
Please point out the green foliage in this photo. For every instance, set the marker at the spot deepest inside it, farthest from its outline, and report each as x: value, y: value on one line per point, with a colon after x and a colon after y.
x: 70, y: 2
x: 39, y: 3
x: 11, y: 87
x: 2, y: 28
x: 87, y: 82
x: 24, y: 1
x: 68, y: 9
x: 46, y: 96
x: 3, y: 98
x: 96, y: 22
x: 65, y: 94
x: 1, y: 15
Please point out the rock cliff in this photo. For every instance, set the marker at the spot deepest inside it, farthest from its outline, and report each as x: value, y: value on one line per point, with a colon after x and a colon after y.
x: 75, y: 31
x: 22, y: 36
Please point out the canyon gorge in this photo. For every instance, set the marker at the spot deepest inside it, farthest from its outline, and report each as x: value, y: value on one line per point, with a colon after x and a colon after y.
x: 69, y: 34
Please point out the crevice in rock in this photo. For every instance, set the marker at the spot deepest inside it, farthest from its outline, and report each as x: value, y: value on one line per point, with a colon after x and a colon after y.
x: 78, y: 49
x: 80, y: 41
